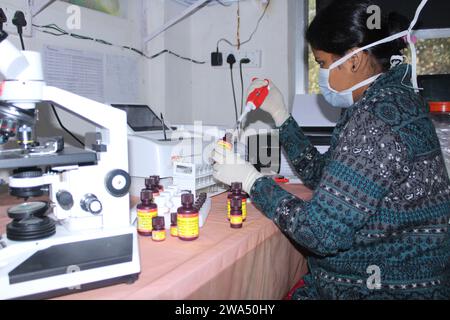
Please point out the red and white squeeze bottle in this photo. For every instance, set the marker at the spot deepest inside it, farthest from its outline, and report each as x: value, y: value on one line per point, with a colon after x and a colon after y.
x: 255, y: 100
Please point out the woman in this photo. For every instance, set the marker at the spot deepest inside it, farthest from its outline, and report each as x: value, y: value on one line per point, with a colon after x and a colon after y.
x: 377, y: 226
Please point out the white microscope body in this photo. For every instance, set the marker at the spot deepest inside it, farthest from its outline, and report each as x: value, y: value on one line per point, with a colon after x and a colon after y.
x: 95, y: 243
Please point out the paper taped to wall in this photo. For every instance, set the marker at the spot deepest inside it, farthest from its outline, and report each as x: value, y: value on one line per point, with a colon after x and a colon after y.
x: 76, y: 71
x: 97, y: 76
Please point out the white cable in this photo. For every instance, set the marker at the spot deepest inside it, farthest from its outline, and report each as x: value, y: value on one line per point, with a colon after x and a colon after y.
x: 415, y: 84
x: 408, y: 34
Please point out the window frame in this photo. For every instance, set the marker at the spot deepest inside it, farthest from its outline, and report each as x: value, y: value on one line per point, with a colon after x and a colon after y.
x: 427, y: 34
x: 301, y: 47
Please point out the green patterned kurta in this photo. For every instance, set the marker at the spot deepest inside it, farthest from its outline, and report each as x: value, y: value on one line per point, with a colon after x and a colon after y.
x: 381, y: 201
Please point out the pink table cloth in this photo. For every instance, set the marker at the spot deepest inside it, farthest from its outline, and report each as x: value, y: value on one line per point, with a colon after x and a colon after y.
x: 256, y: 262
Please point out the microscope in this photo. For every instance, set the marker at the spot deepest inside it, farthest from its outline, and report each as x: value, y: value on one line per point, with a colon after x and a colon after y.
x: 81, y: 238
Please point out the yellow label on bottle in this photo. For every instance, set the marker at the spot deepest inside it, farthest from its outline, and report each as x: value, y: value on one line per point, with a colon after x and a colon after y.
x: 174, y: 231
x: 236, y: 219
x: 188, y: 226
x: 244, y: 209
x: 159, y: 235
x: 225, y: 145
x: 145, y: 219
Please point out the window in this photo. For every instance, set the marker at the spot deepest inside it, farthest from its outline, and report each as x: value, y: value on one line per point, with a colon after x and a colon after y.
x: 313, y: 66
x: 433, y: 56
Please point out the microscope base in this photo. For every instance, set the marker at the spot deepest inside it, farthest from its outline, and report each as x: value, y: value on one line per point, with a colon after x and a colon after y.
x: 68, y: 263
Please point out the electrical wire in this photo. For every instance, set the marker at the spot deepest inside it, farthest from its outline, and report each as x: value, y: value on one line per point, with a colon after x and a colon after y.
x: 242, y: 87
x: 57, y: 31
x: 64, y: 128
x: 251, y: 35
x: 21, y: 41
x: 238, y: 33
x: 171, y: 53
x: 234, y: 95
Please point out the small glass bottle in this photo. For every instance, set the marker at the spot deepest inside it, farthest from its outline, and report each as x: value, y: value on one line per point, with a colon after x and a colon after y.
x: 174, y: 225
x: 159, y: 229
x: 150, y: 184
x: 236, y: 191
x: 236, y: 220
x: 188, y: 219
x: 226, y: 142
x: 146, y: 211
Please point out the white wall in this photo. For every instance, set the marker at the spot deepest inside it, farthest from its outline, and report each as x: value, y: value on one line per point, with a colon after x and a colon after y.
x: 199, y: 92
x: 94, y: 24
x: 185, y: 92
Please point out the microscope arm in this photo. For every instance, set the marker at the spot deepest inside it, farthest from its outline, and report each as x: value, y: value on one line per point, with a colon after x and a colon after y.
x: 111, y: 122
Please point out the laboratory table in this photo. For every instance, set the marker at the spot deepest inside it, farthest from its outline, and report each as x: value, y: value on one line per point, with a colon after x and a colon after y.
x: 255, y: 262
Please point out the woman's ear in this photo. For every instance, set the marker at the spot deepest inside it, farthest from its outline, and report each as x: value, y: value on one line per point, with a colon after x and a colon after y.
x: 356, y: 61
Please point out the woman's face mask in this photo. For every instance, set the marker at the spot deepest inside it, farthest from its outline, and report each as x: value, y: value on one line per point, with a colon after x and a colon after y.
x: 342, y: 99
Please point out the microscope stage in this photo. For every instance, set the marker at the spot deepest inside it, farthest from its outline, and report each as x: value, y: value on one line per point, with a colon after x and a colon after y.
x: 68, y: 157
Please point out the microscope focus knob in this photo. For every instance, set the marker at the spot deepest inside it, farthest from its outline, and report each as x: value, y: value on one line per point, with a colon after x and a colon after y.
x: 65, y: 200
x: 91, y: 204
x: 118, y: 183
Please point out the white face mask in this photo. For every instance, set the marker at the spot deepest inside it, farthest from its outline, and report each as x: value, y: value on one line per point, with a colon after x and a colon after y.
x: 344, y: 99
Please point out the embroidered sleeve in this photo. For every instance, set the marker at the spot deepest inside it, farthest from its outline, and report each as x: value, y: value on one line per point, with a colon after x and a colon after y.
x: 369, y: 160
x: 307, y: 161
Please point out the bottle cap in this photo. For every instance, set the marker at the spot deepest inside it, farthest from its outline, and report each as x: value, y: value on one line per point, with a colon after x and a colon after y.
x: 236, y: 186
x: 187, y: 199
x: 174, y: 218
x: 158, y: 223
x: 156, y: 179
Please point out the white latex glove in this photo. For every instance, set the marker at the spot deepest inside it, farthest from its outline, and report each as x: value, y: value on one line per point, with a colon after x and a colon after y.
x: 274, y: 103
x: 230, y: 168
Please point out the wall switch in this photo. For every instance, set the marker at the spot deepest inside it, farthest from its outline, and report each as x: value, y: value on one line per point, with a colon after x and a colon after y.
x: 255, y: 57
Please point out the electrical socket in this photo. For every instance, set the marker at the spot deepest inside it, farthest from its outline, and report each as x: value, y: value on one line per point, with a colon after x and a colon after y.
x: 10, y: 11
x: 255, y: 57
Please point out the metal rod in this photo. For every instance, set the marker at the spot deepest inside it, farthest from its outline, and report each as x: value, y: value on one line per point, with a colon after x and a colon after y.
x: 164, y: 127
x: 45, y: 6
x: 175, y: 20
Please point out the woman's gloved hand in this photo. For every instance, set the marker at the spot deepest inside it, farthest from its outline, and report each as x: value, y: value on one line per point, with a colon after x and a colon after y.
x: 230, y: 168
x: 274, y: 103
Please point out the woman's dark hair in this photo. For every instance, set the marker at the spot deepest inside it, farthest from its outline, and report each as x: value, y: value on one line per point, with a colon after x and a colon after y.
x: 343, y: 25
